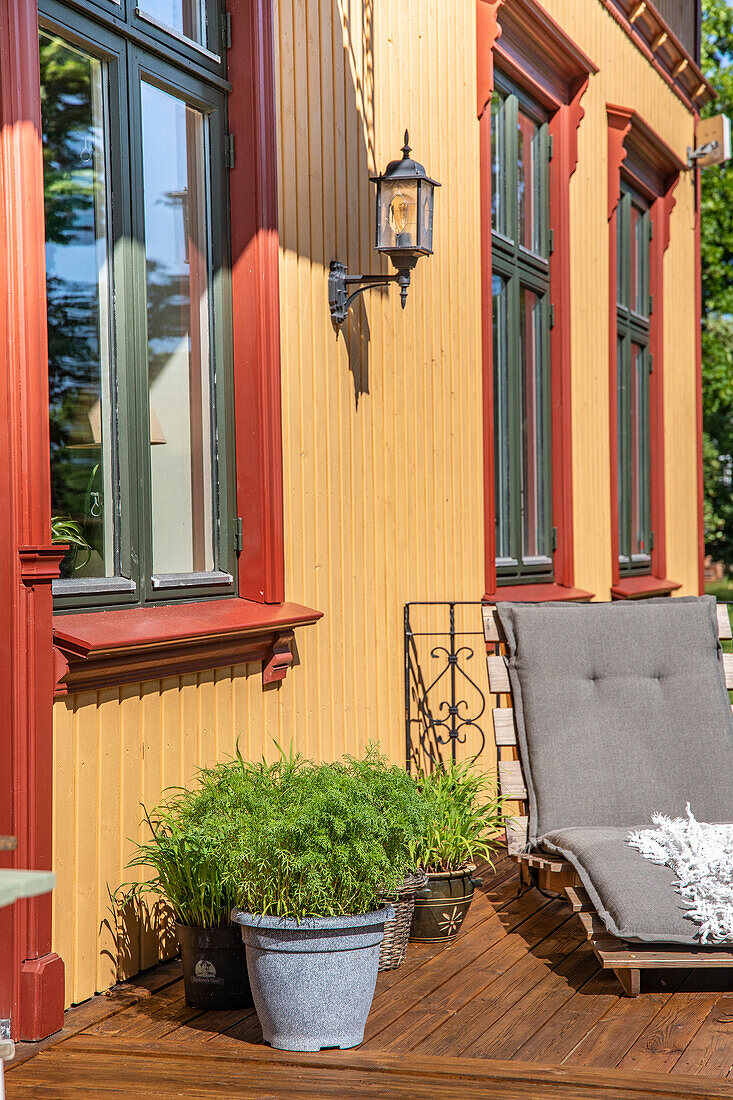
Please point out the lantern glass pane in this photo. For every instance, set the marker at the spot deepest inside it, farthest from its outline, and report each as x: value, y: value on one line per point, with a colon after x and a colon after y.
x: 425, y: 213
x: 397, y: 214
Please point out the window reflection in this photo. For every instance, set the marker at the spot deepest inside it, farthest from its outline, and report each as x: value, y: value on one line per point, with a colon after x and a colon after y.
x: 533, y: 425
x: 638, y: 443
x: 498, y: 219
x: 621, y: 417
x: 177, y: 267
x: 78, y: 295
x: 502, y: 464
x: 186, y: 17
x: 528, y: 183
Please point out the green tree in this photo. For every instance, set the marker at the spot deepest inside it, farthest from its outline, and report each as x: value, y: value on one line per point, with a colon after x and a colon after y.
x: 717, y: 293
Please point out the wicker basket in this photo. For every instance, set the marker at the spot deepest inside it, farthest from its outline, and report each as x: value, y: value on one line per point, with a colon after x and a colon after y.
x: 397, y: 930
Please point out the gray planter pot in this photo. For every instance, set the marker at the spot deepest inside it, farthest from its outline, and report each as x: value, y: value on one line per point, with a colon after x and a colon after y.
x: 313, y: 982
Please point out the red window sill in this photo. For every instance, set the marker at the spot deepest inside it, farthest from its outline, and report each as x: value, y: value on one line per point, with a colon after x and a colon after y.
x: 636, y: 588
x: 106, y: 648
x: 537, y: 593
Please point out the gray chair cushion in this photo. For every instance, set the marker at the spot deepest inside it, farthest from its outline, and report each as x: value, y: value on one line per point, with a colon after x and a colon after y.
x: 621, y: 711
x: 634, y: 898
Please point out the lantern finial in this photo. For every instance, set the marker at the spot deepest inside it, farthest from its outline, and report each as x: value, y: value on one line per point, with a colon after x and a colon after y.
x: 406, y: 150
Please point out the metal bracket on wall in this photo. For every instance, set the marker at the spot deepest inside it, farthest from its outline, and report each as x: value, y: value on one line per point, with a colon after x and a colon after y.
x: 339, y: 281
x: 229, y: 150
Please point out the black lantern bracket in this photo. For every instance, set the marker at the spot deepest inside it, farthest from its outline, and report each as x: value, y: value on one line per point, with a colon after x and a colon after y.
x: 339, y: 281
x: 404, y: 232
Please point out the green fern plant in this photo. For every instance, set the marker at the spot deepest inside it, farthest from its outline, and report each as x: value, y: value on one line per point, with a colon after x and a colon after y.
x: 465, y: 815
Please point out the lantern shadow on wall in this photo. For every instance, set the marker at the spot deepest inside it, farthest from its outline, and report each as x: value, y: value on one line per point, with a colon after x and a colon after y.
x: 404, y: 232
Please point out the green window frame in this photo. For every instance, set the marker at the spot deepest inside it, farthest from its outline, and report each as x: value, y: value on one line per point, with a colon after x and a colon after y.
x: 634, y: 366
x: 521, y: 314
x: 147, y: 74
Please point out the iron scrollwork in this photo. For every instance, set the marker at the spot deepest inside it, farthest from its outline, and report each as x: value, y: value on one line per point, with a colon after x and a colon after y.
x: 447, y: 709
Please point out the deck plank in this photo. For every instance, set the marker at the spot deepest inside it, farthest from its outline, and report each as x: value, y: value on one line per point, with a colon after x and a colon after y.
x: 458, y: 962
x: 710, y: 1053
x: 665, y: 1038
x: 547, y: 999
x: 558, y: 1035
x: 425, y: 1015
x: 608, y: 1040
x: 460, y: 1031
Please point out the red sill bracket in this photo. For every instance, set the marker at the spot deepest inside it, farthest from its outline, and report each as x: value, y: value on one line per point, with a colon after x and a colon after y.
x: 106, y: 648
x: 276, y: 668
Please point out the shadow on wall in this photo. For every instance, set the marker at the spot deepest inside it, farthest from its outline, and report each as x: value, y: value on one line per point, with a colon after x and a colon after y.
x: 332, y: 213
x: 142, y: 934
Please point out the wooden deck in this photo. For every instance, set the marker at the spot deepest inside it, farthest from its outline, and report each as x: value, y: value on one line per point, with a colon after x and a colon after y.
x: 516, y: 1007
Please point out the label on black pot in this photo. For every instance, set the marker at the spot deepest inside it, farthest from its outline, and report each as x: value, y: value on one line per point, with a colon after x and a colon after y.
x: 205, y: 971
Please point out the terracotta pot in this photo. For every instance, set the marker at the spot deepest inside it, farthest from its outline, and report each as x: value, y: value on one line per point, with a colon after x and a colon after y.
x: 441, y: 907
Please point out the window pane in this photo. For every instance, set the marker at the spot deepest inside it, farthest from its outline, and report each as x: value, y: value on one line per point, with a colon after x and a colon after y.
x: 621, y: 415
x: 634, y: 258
x: 78, y: 279
x: 621, y: 257
x: 502, y: 468
x: 639, y: 465
x: 528, y: 183
x: 187, y: 17
x: 639, y: 258
x: 534, y: 489
x: 498, y: 164
x: 177, y: 264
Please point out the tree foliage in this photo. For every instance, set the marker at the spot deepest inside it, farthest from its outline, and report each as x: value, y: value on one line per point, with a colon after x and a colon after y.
x: 717, y: 293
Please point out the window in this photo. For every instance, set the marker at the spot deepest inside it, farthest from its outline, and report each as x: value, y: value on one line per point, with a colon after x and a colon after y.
x: 634, y: 363
x: 520, y: 243
x: 137, y: 284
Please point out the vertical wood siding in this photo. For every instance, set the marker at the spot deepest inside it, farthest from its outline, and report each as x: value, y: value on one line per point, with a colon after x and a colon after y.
x: 382, y: 426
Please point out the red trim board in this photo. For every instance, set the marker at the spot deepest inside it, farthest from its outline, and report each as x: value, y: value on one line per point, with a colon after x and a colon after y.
x: 256, y: 302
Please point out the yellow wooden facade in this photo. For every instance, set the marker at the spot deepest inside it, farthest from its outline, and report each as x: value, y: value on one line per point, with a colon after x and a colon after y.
x: 383, y: 433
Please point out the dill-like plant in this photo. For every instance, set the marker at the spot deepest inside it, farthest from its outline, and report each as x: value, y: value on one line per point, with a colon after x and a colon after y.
x: 465, y: 813
x: 327, y: 839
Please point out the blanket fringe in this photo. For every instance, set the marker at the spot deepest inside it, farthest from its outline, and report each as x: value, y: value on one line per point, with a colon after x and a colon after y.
x: 701, y: 856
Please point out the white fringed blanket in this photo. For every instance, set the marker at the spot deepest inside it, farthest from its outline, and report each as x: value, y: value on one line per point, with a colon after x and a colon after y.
x: 701, y: 857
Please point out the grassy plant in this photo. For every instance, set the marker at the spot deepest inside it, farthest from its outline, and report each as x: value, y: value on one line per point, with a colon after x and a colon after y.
x: 465, y: 813
x: 187, y: 865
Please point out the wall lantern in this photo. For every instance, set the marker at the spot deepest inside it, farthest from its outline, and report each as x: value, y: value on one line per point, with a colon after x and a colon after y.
x: 404, y: 232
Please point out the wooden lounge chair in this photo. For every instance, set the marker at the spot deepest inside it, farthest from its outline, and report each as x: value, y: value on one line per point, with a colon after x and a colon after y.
x: 553, y: 872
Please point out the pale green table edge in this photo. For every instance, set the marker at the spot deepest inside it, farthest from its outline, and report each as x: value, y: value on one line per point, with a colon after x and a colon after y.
x: 24, y: 884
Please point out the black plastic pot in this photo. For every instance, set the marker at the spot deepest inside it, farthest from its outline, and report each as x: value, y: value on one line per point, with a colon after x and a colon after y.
x: 441, y: 907
x: 214, y: 967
